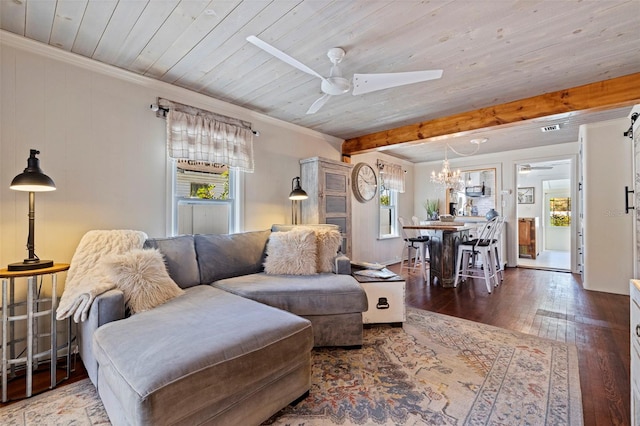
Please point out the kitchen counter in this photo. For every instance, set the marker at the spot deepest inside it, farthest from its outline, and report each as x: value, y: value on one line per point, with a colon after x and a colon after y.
x: 438, y: 225
x: 470, y: 219
x: 444, y: 238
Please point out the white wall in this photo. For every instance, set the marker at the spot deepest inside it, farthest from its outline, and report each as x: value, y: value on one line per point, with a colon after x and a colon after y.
x: 105, y: 150
x: 366, y: 245
x: 505, y: 165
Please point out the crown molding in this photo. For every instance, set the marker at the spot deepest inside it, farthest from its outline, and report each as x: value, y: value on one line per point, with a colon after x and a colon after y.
x: 167, y: 89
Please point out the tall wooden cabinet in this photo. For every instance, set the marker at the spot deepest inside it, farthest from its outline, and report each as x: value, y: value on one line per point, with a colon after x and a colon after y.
x: 328, y: 184
x: 528, y: 240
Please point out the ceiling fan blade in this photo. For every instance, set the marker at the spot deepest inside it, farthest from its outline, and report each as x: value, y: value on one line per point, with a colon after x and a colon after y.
x: 365, y: 83
x: 282, y: 56
x: 318, y: 104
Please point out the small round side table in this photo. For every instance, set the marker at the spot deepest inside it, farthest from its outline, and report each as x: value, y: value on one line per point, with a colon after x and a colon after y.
x: 33, y: 313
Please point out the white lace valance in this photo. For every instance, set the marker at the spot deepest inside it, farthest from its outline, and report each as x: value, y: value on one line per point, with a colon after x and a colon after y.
x: 203, y: 136
x: 391, y: 176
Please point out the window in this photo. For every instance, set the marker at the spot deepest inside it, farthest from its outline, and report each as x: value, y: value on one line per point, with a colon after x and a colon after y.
x: 560, y: 211
x: 388, y: 213
x: 391, y: 182
x: 208, y: 152
x: 205, y: 199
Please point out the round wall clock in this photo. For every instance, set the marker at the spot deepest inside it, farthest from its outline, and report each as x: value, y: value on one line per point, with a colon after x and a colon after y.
x: 364, y: 182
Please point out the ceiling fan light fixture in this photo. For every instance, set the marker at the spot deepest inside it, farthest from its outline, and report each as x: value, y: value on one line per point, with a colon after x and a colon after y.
x: 335, y: 86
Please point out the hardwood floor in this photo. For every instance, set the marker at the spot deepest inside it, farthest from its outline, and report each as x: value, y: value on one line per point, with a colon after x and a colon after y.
x: 552, y: 305
x: 543, y: 303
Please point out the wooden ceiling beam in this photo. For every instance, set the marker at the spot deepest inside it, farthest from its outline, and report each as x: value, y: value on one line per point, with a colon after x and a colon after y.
x: 615, y: 93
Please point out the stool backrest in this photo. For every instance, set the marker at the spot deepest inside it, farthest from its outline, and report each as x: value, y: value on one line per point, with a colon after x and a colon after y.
x: 406, y: 233
x: 499, y: 227
x: 488, y: 230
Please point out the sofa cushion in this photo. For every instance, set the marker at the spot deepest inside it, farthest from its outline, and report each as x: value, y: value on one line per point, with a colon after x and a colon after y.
x: 229, y: 255
x: 292, y: 252
x: 142, y: 276
x: 319, y: 294
x: 201, y: 351
x: 328, y: 242
x: 180, y: 256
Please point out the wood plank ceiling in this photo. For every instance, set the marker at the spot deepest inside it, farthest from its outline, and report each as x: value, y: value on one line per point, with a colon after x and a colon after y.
x: 492, y: 52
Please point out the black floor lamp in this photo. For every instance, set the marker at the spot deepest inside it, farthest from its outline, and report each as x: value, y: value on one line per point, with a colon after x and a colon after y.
x: 32, y: 180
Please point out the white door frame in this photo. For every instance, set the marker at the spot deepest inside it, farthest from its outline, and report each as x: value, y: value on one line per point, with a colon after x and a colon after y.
x: 573, y: 176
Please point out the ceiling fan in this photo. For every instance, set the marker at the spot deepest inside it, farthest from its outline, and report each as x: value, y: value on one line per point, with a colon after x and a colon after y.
x: 526, y: 168
x: 335, y: 84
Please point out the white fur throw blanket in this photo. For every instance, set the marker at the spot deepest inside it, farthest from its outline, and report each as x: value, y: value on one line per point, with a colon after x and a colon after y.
x: 85, y: 279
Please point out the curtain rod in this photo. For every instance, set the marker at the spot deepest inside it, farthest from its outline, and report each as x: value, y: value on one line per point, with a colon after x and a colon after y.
x: 155, y: 108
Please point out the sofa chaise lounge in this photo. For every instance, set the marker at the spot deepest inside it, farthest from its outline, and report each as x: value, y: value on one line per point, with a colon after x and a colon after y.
x: 234, y: 349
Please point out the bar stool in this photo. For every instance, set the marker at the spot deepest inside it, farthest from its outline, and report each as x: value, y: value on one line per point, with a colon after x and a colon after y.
x: 495, y: 252
x: 412, y: 241
x: 416, y: 222
x: 475, y: 259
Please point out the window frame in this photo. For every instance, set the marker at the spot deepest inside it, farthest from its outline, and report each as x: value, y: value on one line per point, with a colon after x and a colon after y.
x: 393, y: 213
x: 550, y: 211
x: 235, y: 199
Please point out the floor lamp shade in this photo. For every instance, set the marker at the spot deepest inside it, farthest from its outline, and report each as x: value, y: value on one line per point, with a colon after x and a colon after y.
x: 296, y: 195
x: 32, y: 180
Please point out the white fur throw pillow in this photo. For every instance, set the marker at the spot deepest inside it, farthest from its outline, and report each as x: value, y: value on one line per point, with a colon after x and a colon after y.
x: 142, y: 276
x: 329, y: 241
x: 291, y: 253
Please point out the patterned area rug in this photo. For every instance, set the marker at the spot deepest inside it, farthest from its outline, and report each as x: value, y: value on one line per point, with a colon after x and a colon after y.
x: 440, y: 370
x: 76, y: 404
x: 436, y: 370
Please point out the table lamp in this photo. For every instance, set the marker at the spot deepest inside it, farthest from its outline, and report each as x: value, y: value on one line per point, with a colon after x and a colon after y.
x: 297, y: 194
x: 32, y: 180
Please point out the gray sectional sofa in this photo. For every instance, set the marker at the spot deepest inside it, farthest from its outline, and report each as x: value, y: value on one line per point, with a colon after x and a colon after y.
x: 233, y: 350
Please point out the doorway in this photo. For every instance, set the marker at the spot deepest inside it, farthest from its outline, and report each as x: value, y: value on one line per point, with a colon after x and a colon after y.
x: 544, y: 214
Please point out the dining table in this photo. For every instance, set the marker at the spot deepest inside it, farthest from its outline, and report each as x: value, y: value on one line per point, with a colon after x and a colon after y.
x: 444, y: 238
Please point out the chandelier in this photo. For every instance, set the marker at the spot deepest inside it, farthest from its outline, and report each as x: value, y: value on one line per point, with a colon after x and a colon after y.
x: 448, y: 178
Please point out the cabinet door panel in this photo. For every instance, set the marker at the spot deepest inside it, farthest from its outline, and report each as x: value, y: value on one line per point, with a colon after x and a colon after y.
x: 335, y: 182
x: 336, y: 204
x: 340, y: 221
